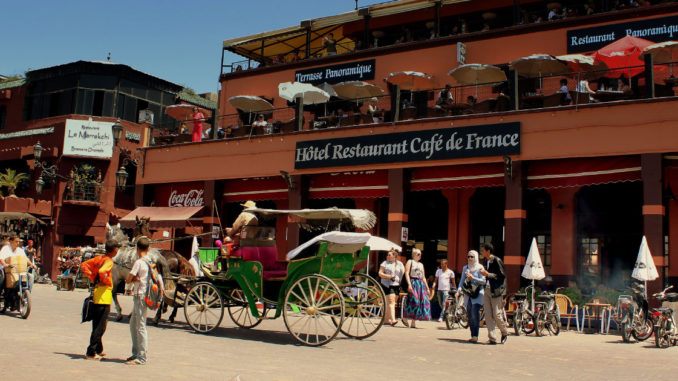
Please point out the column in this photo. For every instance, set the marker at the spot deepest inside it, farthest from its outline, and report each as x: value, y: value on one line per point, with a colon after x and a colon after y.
x: 563, y: 235
x: 653, y: 213
x: 296, y: 200
x: 396, y: 200
x: 458, y: 224
x: 514, y: 216
x: 672, y: 180
x: 209, y: 211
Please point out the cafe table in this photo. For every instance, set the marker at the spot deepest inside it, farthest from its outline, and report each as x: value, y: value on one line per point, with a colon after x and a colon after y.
x: 597, y: 310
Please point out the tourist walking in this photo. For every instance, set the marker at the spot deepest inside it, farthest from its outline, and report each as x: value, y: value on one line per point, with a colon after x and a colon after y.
x: 418, y: 306
x: 137, y: 321
x: 98, y: 270
x: 444, y: 281
x: 391, y: 272
x: 495, y: 289
x: 471, y: 285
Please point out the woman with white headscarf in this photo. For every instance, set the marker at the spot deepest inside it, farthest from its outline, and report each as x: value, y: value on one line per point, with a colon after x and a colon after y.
x: 471, y: 284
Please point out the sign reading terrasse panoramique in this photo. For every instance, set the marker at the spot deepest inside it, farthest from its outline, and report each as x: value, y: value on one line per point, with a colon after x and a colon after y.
x: 588, y: 39
x: 352, y: 71
x: 449, y: 143
x: 88, y: 138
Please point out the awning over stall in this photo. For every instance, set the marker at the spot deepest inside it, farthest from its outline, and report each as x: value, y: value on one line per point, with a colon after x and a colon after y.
x: 458, y: 176
x: 359, y: 184
x: 261, y: 188
x: 163, y: 216
x: 561, y: 173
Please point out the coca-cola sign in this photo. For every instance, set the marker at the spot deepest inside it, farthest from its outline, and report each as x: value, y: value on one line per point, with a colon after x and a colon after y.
x: 180, y: 195
x: 191, y: 198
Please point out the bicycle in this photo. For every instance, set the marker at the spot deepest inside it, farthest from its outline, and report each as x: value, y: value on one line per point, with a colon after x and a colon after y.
x: 455, y: 312
x: 548, y: 315
x: 523, y: 315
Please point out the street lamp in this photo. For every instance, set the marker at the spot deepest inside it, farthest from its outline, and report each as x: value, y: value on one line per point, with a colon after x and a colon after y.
x: 121, y: 177
x: 49, y: 171
x: 117, y: 132
x: 37, y: 151
x: 39, y: 184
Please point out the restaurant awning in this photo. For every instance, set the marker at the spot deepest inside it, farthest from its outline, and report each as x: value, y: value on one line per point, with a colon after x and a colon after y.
x: 163, y: 216
x: 458, y: 176
x: 10, y: 216
x: 263, y: 188
x: 561, y: 173
x: 364, y: 184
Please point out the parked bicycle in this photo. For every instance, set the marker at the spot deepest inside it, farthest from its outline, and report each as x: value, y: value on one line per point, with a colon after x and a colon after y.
x: 455, y: 312
x: 523, y: 316
x: 635, y: 319
x: 547, y: 318
x: 665, y: 330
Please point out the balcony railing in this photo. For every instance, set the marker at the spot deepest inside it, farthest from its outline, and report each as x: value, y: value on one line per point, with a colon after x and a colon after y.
x: 545, y: 92
x: 84, y: 191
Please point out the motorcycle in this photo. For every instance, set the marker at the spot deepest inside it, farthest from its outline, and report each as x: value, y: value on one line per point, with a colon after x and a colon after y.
x: 635, y: 320
x: 665, y: 330
x: 18, y: 298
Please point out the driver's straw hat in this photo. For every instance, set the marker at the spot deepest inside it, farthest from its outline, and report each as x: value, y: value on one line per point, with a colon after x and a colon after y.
x: 249, y: 204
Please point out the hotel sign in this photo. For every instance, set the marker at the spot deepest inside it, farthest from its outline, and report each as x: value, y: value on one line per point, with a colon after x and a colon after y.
x: 588, y: 39
x: 449, y: 143
x: 88, y: 139
x: 353, y: 71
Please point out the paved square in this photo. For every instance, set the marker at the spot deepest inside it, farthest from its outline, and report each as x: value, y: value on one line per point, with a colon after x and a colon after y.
x: 51, y: 343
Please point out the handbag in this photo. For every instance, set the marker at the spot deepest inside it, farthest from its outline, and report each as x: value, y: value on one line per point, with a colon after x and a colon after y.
x: 88, y: 309
x: 471, y: 289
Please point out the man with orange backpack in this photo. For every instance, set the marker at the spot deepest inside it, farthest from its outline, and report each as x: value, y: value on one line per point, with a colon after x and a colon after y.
x: 98, y: 270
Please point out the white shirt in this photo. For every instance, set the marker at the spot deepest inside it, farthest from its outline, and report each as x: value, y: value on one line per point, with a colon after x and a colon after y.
x: 444, y: 279
x: 7, y: 252
x: 392, y: 268
x: 194, y: 261
x: 140, y: 270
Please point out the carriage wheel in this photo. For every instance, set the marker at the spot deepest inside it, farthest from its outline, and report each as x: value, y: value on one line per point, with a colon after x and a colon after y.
x: 203, y: 307
x: 365, y: 307
x: 239, y: 310
x: 313, y: 304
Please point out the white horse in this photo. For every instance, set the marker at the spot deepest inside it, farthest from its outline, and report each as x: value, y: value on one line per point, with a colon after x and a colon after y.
x: 124, y: 260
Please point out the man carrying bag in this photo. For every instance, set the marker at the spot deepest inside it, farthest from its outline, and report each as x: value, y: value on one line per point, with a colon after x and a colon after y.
x: 98, y: 270
x: 495, y: 289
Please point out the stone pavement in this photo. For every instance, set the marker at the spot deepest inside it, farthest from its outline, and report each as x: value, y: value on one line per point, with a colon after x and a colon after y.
x: 50, y: 345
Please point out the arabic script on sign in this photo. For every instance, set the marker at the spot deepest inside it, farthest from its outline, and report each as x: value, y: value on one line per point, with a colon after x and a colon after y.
x: 191, y: 198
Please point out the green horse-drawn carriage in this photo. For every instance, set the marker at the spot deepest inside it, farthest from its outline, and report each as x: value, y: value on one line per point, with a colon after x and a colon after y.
x: 322, y: 289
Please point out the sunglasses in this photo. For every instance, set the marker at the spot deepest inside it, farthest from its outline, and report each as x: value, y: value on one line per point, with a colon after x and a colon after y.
x: 471, y: 256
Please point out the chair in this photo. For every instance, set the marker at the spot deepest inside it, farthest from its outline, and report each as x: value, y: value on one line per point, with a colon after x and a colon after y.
x: 568, y: 310
x: 503, y: 103
x: 554, y: 100
x: 601, y: 314
x: 436, y: 112
x: 579, y: 97
x: 288, y: 126
x: 484, y: 106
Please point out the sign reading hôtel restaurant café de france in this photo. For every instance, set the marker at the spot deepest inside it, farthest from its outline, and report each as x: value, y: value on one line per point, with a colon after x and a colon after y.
x: 448, y: 143
x: 180, y: 195
x: 88, y: 138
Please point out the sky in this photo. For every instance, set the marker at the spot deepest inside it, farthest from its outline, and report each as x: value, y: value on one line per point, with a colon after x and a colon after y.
x: 179, y: 41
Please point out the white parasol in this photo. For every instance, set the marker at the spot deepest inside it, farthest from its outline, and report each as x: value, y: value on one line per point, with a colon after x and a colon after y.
x: 195, y: 256
x: 477, y: 74
x: 644, y: 269
x: 250, y: 103
x: 310, y: 94
x: 533, y: 269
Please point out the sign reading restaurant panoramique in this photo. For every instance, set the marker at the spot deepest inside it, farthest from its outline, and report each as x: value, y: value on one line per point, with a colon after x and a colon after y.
x: 88, y: 138
x: 588, y: 39
x: 352, y: 71
x: 449, y: 143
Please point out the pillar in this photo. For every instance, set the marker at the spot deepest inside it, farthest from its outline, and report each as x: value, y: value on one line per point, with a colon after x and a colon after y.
x: 295, y: 196
x: 653, y: 213
x: 458, y: 225
x: 514, y: 217
x: 397, y: 219
x: 673, y: 225
x: 563, y: 235
x: 209, y: 212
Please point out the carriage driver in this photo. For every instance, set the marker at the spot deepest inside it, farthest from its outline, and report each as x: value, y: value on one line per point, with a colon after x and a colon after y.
x: 245, y: 218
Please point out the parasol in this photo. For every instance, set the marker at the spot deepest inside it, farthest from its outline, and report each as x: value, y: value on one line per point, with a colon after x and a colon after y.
x: 477, y: 74
x: 357, y: 90
x: 644, y: 269
x: 310, y: 94
x: 533, y: 270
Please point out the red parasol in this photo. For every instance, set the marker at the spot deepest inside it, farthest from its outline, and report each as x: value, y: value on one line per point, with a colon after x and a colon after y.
x: 623, y: 53
x: 184, y: 112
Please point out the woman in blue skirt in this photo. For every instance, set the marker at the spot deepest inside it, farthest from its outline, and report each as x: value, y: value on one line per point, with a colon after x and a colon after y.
x: 418, y: 306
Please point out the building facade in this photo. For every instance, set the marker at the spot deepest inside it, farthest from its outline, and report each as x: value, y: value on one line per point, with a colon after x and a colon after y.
x: 586, y: 180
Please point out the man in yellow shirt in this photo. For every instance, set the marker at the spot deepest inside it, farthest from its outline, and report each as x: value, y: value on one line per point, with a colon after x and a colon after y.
x: 98, y: 270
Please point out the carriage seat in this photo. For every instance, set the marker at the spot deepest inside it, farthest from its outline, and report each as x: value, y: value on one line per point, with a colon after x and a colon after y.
x: 267, y: 256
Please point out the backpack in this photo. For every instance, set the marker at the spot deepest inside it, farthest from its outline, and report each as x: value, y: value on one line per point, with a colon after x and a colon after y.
x: 153, y: 295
